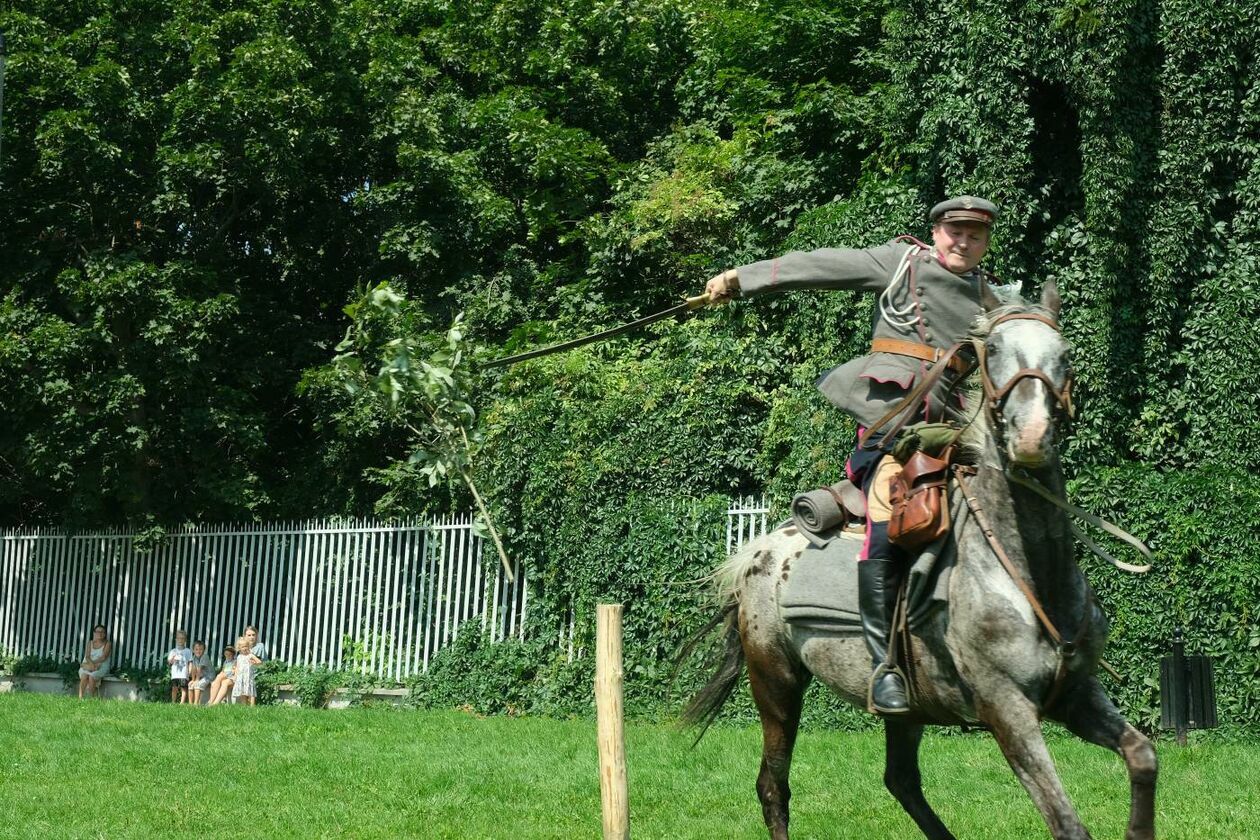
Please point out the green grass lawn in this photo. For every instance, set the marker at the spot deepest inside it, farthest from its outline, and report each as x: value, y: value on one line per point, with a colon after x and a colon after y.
x: 112, y: 769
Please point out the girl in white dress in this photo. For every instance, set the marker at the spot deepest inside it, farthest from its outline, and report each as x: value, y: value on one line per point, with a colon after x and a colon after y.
x: 243, y: 687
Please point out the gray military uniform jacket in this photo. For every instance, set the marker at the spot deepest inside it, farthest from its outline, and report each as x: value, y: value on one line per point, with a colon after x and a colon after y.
x: 938, y: 309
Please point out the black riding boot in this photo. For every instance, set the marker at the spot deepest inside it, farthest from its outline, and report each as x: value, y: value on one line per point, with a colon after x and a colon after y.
x: 878, y: 577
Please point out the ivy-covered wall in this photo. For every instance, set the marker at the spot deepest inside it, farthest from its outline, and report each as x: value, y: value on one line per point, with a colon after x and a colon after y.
x: 193, y: 191
x: 1119, y: 142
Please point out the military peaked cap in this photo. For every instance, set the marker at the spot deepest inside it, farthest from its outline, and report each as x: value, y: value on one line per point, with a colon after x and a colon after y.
x: 964, y: 208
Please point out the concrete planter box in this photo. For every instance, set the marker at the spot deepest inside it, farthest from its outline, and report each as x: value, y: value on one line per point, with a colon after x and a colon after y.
x: 116, y: 688
x: 342, y: 698
x: 43, y: 682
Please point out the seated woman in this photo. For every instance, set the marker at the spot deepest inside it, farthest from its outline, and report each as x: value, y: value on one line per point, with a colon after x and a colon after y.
x: 257, y: 648
x: 95, y: 664
x: 221, y: 688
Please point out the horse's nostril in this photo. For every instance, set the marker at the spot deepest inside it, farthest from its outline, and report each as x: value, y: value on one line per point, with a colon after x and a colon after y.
x: 1035, y: 432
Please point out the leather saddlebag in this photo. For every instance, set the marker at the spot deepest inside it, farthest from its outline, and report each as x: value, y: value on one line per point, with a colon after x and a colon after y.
x: 917, y: 497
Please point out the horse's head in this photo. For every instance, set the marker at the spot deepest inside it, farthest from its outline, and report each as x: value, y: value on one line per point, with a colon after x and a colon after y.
x: 1026, y: 372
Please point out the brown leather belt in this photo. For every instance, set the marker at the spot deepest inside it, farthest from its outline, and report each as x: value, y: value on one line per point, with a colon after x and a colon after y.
x: 918, y: 351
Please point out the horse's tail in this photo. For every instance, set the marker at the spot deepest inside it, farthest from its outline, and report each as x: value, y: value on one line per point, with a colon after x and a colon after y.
x: 729, y: 577
x: 709, y: 700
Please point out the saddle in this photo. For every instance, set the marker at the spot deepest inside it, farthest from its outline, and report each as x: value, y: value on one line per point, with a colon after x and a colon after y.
x: 820, y: 590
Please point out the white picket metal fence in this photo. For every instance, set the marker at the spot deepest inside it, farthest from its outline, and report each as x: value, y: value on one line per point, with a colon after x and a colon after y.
x: 745, y: 520
x: 375, y: 597
x: 379, y: 598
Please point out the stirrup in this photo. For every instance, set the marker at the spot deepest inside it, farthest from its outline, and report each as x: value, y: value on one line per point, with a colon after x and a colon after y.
x: 881, y: 671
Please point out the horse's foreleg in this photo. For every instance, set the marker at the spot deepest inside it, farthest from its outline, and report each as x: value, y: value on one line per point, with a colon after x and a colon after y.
x: 1089, y: 713
x: 903, y: 780
x: 778, y: 689
x: 1018, y: 731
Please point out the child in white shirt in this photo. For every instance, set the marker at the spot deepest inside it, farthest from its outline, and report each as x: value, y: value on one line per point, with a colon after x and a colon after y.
x: 178, y: 659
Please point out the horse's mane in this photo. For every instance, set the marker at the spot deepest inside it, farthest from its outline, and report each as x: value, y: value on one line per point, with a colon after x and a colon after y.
x: 983, y: 325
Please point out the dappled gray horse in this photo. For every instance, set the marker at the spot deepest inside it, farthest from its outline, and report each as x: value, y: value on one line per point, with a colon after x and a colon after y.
x: 990, y: 659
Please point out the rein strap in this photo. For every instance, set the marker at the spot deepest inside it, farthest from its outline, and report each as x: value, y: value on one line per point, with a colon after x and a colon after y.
x: 1065, y: 650
x: 983, y: 521
x: 1022, y: 478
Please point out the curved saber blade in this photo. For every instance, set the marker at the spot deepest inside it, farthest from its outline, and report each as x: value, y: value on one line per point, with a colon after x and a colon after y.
x: 689, y: 305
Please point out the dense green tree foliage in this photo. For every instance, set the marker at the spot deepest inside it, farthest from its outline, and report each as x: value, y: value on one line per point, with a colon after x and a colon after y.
x: 192, y: 193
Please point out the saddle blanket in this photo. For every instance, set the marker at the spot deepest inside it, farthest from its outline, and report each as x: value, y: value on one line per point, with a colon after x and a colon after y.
x: 821, y: 589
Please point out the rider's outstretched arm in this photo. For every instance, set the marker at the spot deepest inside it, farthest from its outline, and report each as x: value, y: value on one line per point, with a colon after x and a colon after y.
x: 856, y: 269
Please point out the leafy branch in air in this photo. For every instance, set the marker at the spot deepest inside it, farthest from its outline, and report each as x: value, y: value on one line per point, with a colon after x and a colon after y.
x: 423, y: 383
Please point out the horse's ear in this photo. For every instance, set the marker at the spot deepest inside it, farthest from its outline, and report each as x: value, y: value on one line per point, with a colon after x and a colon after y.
x: 1050, y: 297
x: 988, y: 299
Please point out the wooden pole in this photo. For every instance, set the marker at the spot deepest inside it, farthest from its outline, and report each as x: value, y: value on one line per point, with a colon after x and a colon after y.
x: 608, y: 708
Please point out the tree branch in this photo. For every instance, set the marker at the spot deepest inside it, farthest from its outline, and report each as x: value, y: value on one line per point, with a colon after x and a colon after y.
x: 466, y: 472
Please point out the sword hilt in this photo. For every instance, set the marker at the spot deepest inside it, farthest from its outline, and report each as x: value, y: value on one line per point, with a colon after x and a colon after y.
x: 697, y: 301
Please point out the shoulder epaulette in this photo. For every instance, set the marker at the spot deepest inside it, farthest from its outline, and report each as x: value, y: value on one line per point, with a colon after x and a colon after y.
x: 907, y: 238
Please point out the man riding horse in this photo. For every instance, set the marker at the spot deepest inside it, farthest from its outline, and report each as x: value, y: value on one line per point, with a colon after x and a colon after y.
x: 929, y: 297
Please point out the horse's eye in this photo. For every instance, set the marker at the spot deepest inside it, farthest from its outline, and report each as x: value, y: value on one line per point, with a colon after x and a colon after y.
x: 990, y: 347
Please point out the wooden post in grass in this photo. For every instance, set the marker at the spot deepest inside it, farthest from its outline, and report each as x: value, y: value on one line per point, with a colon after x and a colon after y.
x: 608, y: 709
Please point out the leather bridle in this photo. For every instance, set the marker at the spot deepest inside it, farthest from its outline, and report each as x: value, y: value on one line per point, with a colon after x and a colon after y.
x: 995, y: 398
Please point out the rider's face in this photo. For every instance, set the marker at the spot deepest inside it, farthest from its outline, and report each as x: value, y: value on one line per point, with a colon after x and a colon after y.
x: 960, y: 245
